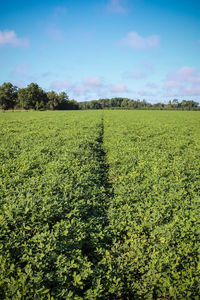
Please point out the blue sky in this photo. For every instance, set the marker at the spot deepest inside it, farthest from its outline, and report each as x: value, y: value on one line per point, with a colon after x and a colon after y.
x: 140, y: 49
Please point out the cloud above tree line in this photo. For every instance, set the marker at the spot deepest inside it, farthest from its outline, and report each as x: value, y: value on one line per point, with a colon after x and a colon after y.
x: 116, y: 6
x: 136, y: 42
x: 185, y: 81
x: 93, y: 82
x: 9, y: 37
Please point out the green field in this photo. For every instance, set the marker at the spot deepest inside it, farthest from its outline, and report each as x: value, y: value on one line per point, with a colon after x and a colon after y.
x: 100, y: 205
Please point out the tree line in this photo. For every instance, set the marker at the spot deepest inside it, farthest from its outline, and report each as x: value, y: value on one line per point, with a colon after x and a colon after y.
x: 125, y: 103
x: 34, y: 97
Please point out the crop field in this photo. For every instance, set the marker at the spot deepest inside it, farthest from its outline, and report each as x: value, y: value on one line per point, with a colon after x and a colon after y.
x: 100, y: 205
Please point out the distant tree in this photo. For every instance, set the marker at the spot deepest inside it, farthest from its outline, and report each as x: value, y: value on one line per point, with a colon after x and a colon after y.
x: 115, y: 103
x: 105, y: 103
x: 189, y: 104
x: 175, y: 103
x: 63, y: 101
x: 53, y: 100
x: 73, y: 104
x: 143, y: 103
x: 32, y: 97
x: 94, y: 104
x: 159, y: 105
x: 60, y: 101
x: 124, y: 103
x: 8, y: 96
x: 23, y: 98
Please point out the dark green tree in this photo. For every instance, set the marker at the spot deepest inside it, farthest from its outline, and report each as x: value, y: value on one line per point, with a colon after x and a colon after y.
x: 32, y: 97
x: 53, y: 100
x: 189, y: 104
x: 175, y: 103
x: 8, y: 96
x: 63, y: 101
x: 73, y: 104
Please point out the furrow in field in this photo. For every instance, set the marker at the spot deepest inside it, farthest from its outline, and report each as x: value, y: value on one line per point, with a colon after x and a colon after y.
x: 99, y: 206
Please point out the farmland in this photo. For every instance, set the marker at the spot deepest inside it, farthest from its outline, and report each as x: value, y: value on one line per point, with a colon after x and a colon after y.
x: 100, y: 205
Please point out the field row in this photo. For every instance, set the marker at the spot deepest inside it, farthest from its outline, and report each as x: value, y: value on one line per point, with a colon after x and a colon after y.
x: 52, y: 205
x: 100, y: 205
x: 155, y: 213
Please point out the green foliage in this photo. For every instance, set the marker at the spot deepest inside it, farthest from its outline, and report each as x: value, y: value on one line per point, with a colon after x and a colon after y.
x: 154, y: 215
x: 53, y: 100
x: 8, y: 96
x: 32, y: 97
x: 99, y: 205
x: 52, y: 204
x: 125, y: 103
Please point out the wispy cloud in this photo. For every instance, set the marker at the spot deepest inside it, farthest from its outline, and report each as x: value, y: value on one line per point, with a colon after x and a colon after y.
x: 144, y: 70
x: 93, y: 82
x: 20, y: 83
x: 59, y: 11
x: 184, y: 75
x: 170, y: 84
x: 192, y: 91
x: 9, y: 37
x: 137, y: 42
x: 185, y: 81
x: 119, y: 88
x: 91, y: 87
x: 151, y: 85
x: 145, y: 93
x: 147, y: 65
x: 136, y: 74
x: 80, y: 90
x: 53, y: 26
x: 21, y: 69
x: 59, y: 85
x: 55, y: 34
x: 116, y: 6
x: 46, y: 74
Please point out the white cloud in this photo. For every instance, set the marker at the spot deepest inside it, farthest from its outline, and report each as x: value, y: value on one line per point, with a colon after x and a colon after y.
x: 92, y: 82
x: 183, y: 75
x: 119, y: 88
x: 8, y: 37
x: 192, y: 91
x: 189, y: 74
x: 172, y: 84
x: 137, y: 42
x: 59, y: 85
x: 185, y: 81
x: 116, y: 6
